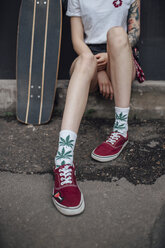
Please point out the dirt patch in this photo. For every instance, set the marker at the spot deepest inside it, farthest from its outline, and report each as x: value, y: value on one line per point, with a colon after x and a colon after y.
x: 31, y: 149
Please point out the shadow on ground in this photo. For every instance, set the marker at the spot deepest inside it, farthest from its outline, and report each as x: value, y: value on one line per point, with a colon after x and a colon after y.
x: 157, y: 236
x: 31, y: 149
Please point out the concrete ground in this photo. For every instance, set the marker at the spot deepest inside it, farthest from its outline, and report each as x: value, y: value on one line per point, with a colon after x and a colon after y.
x: 125, y: 198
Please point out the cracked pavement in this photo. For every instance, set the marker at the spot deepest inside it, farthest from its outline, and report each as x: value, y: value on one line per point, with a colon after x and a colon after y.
x: 125, y: 198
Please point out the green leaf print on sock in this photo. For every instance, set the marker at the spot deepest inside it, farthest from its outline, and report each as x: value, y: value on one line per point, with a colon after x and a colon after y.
x: 66, y: 142
x: 63, y: 162
x: 118, y: 126
x: 63, y: 154
x: 121, y: 117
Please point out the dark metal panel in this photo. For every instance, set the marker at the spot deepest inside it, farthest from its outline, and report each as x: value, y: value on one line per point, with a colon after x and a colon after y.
x: 67, y: 53
x: 152, y: 40
x: 9, y: 11
x: 151, y: 43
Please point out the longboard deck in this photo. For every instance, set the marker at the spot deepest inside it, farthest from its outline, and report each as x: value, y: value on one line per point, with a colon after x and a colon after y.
x: 38, y: 53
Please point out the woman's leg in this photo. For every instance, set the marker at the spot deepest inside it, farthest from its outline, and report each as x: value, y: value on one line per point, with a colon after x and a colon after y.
x: 67, y: 196
x: 121, y: 71
x: 83, y: 72
x: 121, y: 66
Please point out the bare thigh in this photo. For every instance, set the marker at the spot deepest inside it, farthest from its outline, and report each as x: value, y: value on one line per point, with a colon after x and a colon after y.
x: 133, y: 71
x: 94, y: 84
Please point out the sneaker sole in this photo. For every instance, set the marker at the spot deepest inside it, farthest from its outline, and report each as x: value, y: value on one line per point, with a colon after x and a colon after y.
x: 107, y: 158
x: 70, y: 211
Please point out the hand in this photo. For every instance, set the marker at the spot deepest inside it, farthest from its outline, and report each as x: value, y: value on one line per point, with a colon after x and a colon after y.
x: 102, y: 59
x: 105, y: 84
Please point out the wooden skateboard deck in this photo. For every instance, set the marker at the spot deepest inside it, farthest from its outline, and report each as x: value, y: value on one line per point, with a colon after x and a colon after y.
x: 38, y: 53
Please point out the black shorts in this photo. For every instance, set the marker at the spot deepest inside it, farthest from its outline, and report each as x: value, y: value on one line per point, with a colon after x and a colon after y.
x: 98, y: 48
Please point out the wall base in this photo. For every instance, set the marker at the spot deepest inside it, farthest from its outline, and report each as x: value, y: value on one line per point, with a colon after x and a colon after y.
x: 147, y: 100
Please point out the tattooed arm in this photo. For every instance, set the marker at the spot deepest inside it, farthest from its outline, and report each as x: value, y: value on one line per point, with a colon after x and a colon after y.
x: 134, y: 23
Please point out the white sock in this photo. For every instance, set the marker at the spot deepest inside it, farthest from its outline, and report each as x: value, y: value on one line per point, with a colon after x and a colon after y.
x: 67, y: 140
x: 121, y: 121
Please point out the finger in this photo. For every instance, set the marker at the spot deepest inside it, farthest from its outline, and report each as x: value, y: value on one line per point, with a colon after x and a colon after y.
x: 100, y: 58
x: 107, y: 91
x: 101, y: 88
x: 97, y: 56
x: 111, y: 92
x: 100, y: 68
x: 101, y: 62
x: 101, y: 65
x: 111, y: 96
x: 104, y: 90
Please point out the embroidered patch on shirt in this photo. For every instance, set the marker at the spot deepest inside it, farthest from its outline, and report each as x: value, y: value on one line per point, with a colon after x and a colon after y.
x: 117, y: 3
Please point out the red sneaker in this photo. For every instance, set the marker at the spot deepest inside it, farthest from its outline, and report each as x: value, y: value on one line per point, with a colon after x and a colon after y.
x: 111, y: 148
x: 67, y: 196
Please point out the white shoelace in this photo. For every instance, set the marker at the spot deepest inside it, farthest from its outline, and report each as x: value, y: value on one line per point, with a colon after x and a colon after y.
x: 65, y: 175
x: 113, y: 138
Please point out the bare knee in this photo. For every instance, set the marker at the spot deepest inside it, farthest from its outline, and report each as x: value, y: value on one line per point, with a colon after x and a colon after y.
x: 86, y: 62
x: 117, y: 38
x: 85, y: 66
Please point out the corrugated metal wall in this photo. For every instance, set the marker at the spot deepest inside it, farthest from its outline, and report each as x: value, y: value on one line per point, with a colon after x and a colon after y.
x: 151, y: 44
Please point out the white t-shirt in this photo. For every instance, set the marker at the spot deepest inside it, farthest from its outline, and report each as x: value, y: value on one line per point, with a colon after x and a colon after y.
x: 98, y: 16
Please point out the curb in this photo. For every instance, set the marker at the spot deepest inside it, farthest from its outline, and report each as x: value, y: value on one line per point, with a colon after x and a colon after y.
x: 147, y: 100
